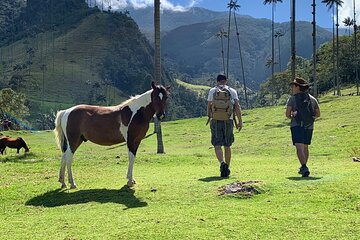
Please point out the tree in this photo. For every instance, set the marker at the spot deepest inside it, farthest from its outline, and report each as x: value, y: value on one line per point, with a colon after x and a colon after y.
x: 331, y: 4
x: 222, y: 34
x: 273, y: 3
x: 160, y: 145
x: 348, y: 22
x: 278, y: 35
x: 355, y: 52
x: 12, y: 104
x: 293, y: 47
x: 314, y: 47
x: 236, y: 7
x: 230, y: 5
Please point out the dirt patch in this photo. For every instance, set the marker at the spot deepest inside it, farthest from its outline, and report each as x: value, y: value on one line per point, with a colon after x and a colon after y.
x: 245, y: 188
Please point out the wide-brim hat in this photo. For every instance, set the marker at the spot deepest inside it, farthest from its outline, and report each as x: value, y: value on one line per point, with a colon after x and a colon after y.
x: 300, y: 82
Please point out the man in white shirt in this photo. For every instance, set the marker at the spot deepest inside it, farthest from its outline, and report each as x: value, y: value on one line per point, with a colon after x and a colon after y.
x: 222, y: 130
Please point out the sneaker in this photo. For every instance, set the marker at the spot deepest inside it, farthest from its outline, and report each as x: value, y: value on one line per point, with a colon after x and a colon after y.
x: 228, y: 171
x: 305, y: 172
x: 223, y: 169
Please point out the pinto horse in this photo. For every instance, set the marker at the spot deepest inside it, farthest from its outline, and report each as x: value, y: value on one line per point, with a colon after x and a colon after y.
x: 127, y: 122
x: 17, y: 143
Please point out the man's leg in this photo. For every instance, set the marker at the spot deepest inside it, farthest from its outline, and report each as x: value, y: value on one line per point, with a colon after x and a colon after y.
x: 219, y: 154
x: 303, y: 155
x: 227, y: 155
x: 306, y: 153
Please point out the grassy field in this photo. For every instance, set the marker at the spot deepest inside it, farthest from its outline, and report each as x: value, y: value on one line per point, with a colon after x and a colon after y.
x: 177, y: 195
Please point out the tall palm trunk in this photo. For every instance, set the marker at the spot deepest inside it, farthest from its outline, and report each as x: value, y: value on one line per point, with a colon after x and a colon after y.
x: 228, y: 46
x: 157, y: 60
x: 333, y: 52
x: 272, y: 51
x: 242, y: 62
x: 222, y: 53
x: 355, y: 52
x: 314, y: 47
x: 293, y: 47
x: 337, y: 51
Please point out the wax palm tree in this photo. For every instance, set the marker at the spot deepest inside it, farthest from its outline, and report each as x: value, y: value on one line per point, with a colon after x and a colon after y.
x: 236, y: 7
x: 314, y: 46
x: 222, y: 34
x: 355, y: 52
x: 331, y: 4
x: 348, y: 22
x: 278, y: 35
x: 273, y: 3
x: 160, y: 146
x: 230, y: 5
x: 293, y: 47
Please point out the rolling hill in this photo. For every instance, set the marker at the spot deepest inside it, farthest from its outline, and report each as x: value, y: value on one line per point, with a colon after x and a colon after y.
x: 61, y: 53
x: 201, y: 53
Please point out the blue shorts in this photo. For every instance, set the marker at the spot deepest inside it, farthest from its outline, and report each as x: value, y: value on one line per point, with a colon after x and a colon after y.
x: 301, y: 135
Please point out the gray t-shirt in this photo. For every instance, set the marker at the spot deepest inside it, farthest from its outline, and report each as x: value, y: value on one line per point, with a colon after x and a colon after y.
x: 292, y: 103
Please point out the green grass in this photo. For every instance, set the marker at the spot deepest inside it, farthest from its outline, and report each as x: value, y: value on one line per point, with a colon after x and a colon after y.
x: 177, y: 193
x: 200, y: 89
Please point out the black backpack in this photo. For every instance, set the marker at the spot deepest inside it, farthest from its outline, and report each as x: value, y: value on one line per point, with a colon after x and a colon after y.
x: 305, y: 111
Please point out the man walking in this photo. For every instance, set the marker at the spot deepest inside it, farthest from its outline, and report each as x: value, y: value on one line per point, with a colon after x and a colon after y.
x: 302, y: 109
x: 223, y: 102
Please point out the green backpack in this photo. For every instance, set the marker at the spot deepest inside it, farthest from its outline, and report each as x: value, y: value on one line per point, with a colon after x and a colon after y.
x: 221, y: 108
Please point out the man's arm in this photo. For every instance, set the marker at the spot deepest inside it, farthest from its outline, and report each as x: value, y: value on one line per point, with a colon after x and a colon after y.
x: 288, y: 112
x: 209, y: 108
x: 317, y: 112
x: 237, y: 110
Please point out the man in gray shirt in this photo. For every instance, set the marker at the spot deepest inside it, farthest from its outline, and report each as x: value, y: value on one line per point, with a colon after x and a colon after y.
x: 302, y: 128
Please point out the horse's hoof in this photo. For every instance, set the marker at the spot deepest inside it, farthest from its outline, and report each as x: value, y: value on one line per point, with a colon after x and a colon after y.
x: 63, y: 185
x: 73, y: 186
x: 131, y: 183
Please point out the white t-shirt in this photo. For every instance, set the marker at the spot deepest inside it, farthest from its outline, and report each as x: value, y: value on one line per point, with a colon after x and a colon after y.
x: 234, y: 95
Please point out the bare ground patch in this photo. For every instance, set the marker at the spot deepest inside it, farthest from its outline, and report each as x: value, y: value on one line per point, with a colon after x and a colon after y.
x: 242, y: 188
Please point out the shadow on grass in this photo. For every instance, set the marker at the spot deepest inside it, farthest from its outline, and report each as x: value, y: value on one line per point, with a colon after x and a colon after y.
x: 61, y: 197
x: 20, y: 157
x: 212, y: 179
x: 304, y: 178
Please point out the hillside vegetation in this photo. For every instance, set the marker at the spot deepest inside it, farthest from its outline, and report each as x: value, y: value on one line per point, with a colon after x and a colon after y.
x: 177, y: 195
x: 62, y: 53
x: 199, y: 56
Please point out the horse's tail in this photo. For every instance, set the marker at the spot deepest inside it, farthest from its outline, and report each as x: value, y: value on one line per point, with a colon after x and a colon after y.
x: 59, y: 132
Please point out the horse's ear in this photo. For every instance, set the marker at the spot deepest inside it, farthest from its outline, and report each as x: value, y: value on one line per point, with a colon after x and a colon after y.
x: 168, y: 88
x: 153, y: 85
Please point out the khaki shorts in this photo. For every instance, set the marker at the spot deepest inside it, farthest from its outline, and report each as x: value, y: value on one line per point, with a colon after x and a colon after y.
x: 222, y: 133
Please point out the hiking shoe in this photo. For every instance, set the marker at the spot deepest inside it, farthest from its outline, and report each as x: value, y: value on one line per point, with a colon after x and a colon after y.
x: 223, y: 169
x: 304, y: 171
x: 228, y: 171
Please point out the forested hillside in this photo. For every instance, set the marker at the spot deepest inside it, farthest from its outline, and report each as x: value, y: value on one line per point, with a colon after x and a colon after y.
x: 200, y: 54
x: 61, y: 53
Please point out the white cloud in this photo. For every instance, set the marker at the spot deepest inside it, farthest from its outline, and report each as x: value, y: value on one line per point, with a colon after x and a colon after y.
x: 165, y: 4
x: 347, y: 10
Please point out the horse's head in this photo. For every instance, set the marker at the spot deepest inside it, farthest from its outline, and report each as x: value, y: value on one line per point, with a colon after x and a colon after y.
x: 158, y: 99
x: 22, y: 143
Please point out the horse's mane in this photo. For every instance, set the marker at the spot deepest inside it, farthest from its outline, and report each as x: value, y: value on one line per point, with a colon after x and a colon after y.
x: 132, y: 99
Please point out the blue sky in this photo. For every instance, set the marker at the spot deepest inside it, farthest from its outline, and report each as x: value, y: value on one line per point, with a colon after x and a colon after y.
x: 254, y: 8
x: 257, y: 9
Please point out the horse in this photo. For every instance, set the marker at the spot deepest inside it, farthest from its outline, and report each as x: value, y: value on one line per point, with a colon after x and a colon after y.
x: 17, y: 143
x: 127, y: 122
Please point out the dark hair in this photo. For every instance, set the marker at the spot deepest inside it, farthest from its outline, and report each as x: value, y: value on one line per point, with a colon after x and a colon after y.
x: 220, y: 77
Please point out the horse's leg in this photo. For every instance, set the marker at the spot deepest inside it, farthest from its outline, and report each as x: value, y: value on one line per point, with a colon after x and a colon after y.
x: 74, y: 142
x: 62, y: 170
x: 131, y: 180
x: 70, y: 175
